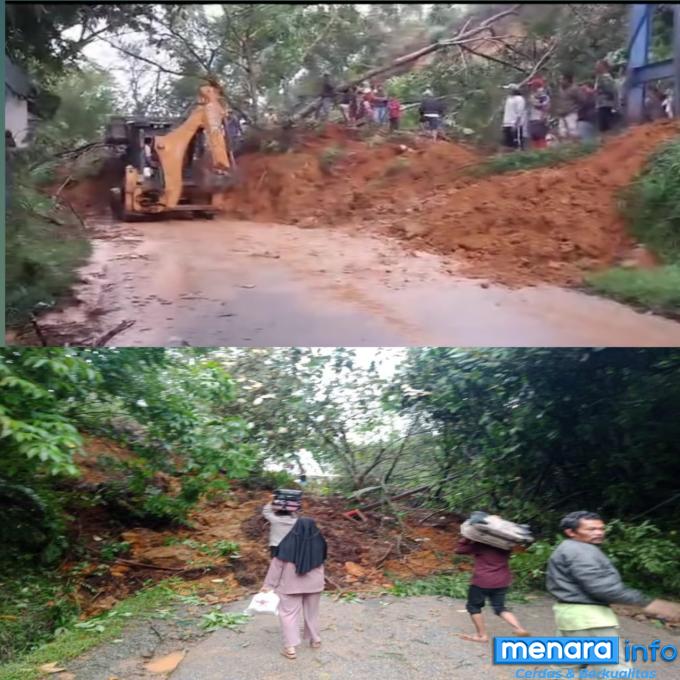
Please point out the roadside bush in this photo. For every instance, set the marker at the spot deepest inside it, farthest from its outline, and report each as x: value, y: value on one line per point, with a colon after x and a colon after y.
x: 652, y: 204
x: 528, y: 567
x: 329, y: 157
x: 45, y: 245
x: 651, y: 207
x: 646, y: 559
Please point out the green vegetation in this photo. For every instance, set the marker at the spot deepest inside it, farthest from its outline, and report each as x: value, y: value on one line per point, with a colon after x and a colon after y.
x: 651, y: 206
x: 217, y: 619
x: 646, y: 557
x: 74, y: 641
x: 46, y: 240
x: 329, y: 157
x: 536, y: 158
x: 45, y: 243
x: 449, y: 585
x: 656, y: 289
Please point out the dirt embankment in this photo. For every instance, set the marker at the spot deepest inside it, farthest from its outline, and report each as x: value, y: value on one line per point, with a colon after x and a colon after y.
x: 364, y: 553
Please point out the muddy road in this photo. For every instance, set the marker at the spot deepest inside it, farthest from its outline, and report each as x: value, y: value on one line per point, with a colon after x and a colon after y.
x: 222, y: 282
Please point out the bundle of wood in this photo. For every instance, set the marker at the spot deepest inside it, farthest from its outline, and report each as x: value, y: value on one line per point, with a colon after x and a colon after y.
x: 495, y: 531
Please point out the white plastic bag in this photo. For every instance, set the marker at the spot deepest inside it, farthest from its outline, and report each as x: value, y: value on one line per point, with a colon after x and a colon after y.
x: 264, y: 603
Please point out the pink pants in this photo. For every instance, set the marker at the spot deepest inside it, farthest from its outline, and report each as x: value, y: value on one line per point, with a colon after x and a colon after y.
x: 290, y: 607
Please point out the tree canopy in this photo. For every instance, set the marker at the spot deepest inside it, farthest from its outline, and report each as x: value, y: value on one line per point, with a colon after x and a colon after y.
x: 528, y: 433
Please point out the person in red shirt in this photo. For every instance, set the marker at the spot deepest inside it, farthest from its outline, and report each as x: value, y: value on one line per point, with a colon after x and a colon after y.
x: 394, y: 113
x: 491, y: 579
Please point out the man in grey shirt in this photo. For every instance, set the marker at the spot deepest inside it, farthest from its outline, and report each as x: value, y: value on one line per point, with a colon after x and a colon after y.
x: 585, y: 583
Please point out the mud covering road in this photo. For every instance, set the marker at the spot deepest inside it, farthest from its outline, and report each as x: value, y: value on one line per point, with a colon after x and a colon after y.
x: 383, y: 637
x: 210, y: 283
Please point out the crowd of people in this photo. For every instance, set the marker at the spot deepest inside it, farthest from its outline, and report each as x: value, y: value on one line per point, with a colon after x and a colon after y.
x: 580, y: 110
x: 359, y: 105
x: 534, y: 115
x: 579, y: 576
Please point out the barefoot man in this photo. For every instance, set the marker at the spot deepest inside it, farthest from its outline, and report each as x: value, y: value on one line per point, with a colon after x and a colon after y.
x: 490, y: 579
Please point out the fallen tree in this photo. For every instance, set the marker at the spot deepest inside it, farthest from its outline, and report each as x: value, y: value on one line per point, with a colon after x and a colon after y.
x: 464, y: 36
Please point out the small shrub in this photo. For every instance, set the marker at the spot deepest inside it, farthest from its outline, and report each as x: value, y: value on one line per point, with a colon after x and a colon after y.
x: 217, y: 619
x: 449, y: 585
x: 110, y: 551
x: 329, y: 157
x: 226, y: 549
x: 397, y: 166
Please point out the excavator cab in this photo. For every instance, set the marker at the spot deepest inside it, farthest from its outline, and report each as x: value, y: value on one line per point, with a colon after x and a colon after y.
x: 174, y: 165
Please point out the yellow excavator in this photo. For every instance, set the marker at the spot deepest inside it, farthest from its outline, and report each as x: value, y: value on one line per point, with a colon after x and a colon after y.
x: 174, y: 166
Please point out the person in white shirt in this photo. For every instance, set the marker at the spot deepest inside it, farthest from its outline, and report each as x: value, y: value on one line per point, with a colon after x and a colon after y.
x: 514, y: 118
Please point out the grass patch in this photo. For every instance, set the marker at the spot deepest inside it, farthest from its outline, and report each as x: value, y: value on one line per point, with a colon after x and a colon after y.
x: 35, y: 604
x: 655, y: 289
x: 75, y: 641
x: 537, y: 158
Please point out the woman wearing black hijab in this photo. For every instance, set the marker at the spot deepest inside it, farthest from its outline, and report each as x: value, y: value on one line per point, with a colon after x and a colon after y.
x: 296, y: 574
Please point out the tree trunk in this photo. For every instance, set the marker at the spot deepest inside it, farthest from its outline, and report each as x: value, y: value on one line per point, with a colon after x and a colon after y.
x: 464, y: 35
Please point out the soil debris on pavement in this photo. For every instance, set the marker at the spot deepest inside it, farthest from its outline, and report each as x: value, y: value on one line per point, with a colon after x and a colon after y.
x: 546, y: 225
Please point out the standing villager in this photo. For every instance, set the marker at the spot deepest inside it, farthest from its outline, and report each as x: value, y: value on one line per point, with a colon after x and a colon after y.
x: 514, y: 118
x: 585, y: 584
x: 296, y: 575
x: 587, y: 113
x: 539, y: 111
x: 394, y: 113
x: 491, y: 579
x: 432, y: 113
x: 606, y: 97
x: 347, y: 98
x: 327, y: 98
x: 568, y: 101
x: 380, y: 101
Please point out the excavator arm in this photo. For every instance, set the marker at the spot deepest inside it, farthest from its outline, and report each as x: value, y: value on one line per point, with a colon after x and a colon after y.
x: 208, y: 115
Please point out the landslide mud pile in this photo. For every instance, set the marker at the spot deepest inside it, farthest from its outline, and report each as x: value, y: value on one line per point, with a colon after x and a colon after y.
x: 365, y: 552
x: 333, y: 177
x: 543, y: 225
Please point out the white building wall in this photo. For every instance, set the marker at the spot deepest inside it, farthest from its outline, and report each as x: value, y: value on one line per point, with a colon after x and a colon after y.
x: 16, y: 117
